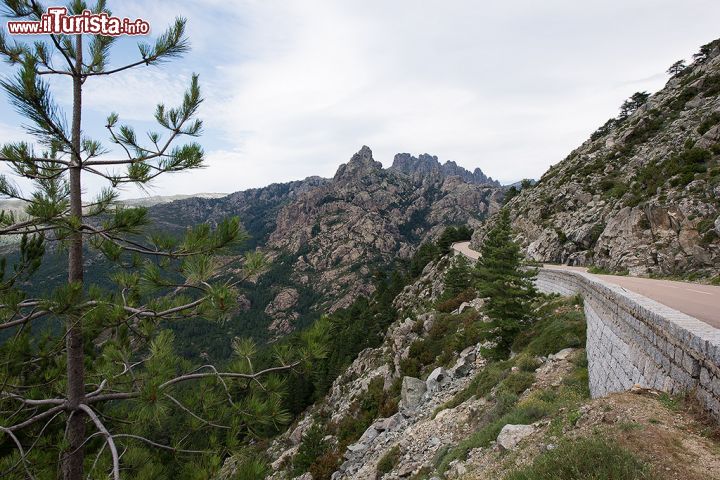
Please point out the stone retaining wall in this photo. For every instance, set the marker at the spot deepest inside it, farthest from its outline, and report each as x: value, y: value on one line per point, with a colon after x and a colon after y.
x: 634, y: 340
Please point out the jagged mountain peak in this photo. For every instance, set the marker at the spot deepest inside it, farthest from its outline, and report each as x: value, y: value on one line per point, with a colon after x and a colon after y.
x: 426, y: 164
x: 360, y: 164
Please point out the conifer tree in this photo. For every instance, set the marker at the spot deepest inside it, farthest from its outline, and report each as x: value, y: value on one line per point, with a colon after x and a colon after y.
x: 458, y: 277
x: 677, y: 68
x: 104, y: 377
x: 508, y: 287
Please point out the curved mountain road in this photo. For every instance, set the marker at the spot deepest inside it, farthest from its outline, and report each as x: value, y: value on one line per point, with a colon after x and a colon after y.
x: 696, y: 300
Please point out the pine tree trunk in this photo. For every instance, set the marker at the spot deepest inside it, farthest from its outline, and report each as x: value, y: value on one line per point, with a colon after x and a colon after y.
x: 73, y: 459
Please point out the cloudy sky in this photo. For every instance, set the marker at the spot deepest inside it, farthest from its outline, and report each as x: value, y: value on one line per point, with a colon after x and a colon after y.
x: 294, y: 88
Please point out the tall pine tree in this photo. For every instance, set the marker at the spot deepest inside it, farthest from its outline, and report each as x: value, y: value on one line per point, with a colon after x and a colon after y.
x: 508, y: 286
x: 104, y: 379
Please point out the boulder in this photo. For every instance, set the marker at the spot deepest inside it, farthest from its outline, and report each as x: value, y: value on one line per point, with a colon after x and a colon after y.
x: 465, y: 363
x: 717, y: 225
x: 304, y: 476
x: 370, y: 434
x: 563, y: 354
x: 511, y: 435
x: 390, y: 423
x: 411, y: 393
x: 438, y: 379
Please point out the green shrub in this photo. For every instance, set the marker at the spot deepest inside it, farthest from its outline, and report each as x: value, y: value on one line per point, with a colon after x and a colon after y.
x: 595, y: 233
x: 593, y: 458
x: 388, y: 461
x: 552, y: 334
x: 373, y: 403
x: 517, y: 382
x: 311, y: 448
x: 448, y: 306
x: 708, y: 123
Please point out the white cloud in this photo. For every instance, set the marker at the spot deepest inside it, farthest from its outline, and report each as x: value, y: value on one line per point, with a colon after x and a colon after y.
x: 295, y: 88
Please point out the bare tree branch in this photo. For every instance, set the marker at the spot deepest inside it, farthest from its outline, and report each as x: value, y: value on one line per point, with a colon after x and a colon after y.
x: 191, y: 413
x: 108, y: 438
x: 27, y: 401
x: 22, y: 452
x: 159, y: 445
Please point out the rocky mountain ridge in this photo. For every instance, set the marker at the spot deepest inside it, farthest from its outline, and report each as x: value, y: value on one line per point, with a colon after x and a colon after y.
x: 642, y: 195
x: 425, y: 165
x: 331, y: 234
x: 368, y: 217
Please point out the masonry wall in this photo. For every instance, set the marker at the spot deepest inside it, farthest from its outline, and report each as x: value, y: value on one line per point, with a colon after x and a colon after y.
x: 634, y: 340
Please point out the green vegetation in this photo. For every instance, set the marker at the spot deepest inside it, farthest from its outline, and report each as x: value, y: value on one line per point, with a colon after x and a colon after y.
x: 311, y: 448
x: 448, y: 335
x: 91, y: 381
x: 561, y: 325
x: 604, y: 271
x: 593, y: 458
x: 632, y: 104
x: 708, y: 123
x: 680, y: 169
x: 388, y: 461
x: 506, y: 285
x: 677, y: 68
x: 457, y: 278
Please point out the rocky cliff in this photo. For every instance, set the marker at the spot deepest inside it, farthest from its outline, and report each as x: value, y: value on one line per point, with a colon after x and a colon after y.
x: 643, y: 193
x: 428, y: 165
x: 327, y: 236
x: 368, y: 217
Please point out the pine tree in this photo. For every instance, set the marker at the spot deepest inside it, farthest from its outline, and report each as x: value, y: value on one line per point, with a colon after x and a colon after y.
x: 631, y: 105
x: 110, y: 378
x: 458, y: 278
x: 677, y: 68
x: 508, y: 287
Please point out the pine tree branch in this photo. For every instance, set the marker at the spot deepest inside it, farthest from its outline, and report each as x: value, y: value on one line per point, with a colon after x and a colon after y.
x: 37, y: 418
x: 22, y: 452
x: 38, y: 160
x: 248, y: 376
x: 108, y: 438
x: 24, y: 320
x: 193, y: 376
x: 159, y: 445
x: 29, y: 401
x: 37, y: 439
x: 192, y: 414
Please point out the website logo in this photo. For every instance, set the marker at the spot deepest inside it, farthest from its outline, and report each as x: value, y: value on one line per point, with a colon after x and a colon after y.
x: 57, y: 21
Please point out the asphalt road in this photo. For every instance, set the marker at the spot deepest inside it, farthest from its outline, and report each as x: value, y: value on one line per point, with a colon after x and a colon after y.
x: 696, y: 300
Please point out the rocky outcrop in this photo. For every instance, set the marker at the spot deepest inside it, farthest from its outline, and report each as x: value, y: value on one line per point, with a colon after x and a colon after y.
x: 425, y: 166
x: 368, y: 216
x: 641, y: 194
x: 511, y: 435
x: 412, y: 393
x: 280, y: 310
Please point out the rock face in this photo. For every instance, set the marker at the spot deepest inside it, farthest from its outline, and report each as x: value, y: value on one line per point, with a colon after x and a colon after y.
x: 437, y: 379
x: 332, y: 233
x: 412, y: 392
x: 511, y: 435
x: 640, y: 195
x: 368, y: 216
x: 280, y: 310
x: 426, y: 165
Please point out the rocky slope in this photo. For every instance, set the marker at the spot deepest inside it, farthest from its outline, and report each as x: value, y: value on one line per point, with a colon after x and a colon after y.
x: 327, y: 236
x: 466, y: 417
x: 368, y: 217
x: 643, y: 194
